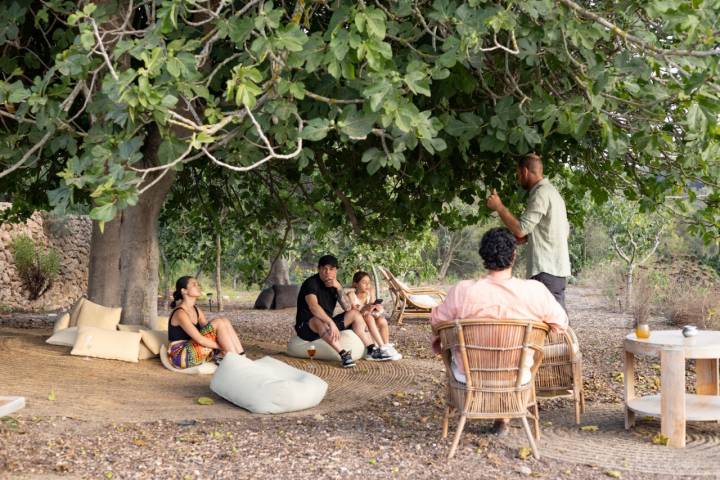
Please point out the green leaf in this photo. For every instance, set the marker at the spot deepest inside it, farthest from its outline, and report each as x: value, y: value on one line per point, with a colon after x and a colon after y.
x: 205, y: 401
x: 87, y: 39
x: 174, y: 67
x: 375, y: 23
x: 356, y: 124
x: 316, y: 129
x: 104, y: 213
x: 418, y: 82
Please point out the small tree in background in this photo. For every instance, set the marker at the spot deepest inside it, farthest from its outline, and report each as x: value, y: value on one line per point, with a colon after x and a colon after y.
x: 37, y: 267
x: 634, y: 235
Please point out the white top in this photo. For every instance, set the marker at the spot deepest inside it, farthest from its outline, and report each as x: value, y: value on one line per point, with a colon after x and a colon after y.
x: 706, y: 344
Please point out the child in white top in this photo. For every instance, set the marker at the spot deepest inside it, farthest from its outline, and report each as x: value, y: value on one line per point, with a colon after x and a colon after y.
x: 363, y: 300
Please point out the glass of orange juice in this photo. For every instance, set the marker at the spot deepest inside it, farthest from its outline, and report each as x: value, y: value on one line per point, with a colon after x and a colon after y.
x: 642, y: 330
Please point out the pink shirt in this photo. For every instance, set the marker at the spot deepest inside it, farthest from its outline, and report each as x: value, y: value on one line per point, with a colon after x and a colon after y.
x: 512, y: 298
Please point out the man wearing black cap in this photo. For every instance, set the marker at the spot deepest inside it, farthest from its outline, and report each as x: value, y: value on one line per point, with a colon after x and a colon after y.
x: 316, y: 303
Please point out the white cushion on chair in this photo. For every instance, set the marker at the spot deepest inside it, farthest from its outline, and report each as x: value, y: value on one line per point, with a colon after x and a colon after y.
x: 525, y: 370
x: 424, y: 301
x: 206, y: 368
x: 297, y: 347
x: 266, y: 385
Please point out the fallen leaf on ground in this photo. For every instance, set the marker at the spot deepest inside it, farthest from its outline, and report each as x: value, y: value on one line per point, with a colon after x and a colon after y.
x: 139, y: 442
x: 52, y: 396
x: 613, y: 474
x: 523, y: 453
x: 618, y: 376
x: 589, y: 428
x: 660, y: 439
x: 205, y: 401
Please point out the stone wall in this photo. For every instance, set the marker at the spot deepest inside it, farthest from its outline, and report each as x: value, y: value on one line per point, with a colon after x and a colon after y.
x: 70, y: 237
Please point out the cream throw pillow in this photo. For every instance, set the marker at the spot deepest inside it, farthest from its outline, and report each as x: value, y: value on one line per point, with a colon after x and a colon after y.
x: 94, y: 315
x: 75, y: 310
x: 62, y: 323
x: 297, y: 347
x: 104, y: 343
x: 154, y: 339
x: 130, y: 328
x: 207, y: 368
x: 65, y: 337
x: 161, y: 323
x: 145, y: 353
x: 266, y: 385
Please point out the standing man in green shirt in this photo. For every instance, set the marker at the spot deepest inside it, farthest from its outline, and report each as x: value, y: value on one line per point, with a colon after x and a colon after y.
x: 543, y: 225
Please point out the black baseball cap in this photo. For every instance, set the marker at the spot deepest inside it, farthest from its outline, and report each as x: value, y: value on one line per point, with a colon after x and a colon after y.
x: 328, y: 260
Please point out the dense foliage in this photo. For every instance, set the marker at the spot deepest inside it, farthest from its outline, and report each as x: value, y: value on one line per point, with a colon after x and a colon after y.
x: 366, y: 116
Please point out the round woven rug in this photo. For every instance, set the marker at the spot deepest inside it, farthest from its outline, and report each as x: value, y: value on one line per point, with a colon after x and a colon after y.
x: 613, y: 448
x: 93, y: 389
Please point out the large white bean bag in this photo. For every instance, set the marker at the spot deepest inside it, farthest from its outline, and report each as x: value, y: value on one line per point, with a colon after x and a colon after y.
x: 297, y: 347
x: 266, y: 385
x: 207, y: 368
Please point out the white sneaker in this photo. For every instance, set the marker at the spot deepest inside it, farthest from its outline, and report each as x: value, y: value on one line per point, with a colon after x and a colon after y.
x: 389, y: 349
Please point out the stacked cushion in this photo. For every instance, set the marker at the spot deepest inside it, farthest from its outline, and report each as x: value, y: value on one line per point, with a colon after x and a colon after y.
x: 64, y: 338
x: 266, y: 385
x: 94, y: 315
x: 297, y: 347
x: 104, y: 343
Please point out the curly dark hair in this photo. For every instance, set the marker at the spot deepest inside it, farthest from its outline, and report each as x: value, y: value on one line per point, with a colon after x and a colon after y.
x: 497, y: 248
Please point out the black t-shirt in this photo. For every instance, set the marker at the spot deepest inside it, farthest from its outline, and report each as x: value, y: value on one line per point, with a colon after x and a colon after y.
x: 327, y: 298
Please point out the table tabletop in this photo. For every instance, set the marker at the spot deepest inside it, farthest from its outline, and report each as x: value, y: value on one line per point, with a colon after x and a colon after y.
x: 706, y: 344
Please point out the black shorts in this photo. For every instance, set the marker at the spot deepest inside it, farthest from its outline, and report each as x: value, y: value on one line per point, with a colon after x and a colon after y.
x: 305, y: 332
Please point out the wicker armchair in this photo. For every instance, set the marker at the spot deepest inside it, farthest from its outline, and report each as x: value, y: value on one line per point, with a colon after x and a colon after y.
x: 500, y: 359
x: 560, y: 373
x: 410, y: 301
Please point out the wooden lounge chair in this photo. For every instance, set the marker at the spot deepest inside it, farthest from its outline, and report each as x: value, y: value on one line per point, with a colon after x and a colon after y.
x: 410, y: 301
x: 560, y: 373
x: 499, y: 359
x: 10, y: 405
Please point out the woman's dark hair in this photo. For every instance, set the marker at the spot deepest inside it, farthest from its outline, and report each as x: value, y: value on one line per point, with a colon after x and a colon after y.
x: 181, y: 283
x: 497, y: 248
x: 359, y: 275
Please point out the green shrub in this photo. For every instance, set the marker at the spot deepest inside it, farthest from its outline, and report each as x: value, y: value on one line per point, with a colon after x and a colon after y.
x: 37, y: 267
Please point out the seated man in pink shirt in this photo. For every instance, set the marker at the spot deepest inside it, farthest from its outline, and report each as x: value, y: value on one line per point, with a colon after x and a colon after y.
x: 498, y: 295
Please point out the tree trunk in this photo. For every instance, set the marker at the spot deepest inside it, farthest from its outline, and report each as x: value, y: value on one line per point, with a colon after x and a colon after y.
x: 165, y: 279
x: 125, y: 258
x: 218, y: 275
x: 629, y: 286
x: 279, y: 272
x: 455, y: 238
x: 235, y: 279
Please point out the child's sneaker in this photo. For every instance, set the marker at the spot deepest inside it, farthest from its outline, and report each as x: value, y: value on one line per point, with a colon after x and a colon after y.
x: 391, y: 352
x: 377, y: 355
x: 346, y: 360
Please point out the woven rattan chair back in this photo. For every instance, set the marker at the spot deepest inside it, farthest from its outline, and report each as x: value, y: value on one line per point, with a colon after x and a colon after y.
x: 499, y: 359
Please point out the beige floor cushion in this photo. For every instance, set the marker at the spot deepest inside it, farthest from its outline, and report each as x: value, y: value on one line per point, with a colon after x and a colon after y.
x: 75, y: 310
x: 207, y: 368
x: 110, y: 344
x: 297, y: 347
x: 144, y: 353
x: 266, y: 385
x: 65, y: 337
x: 130, y: 328
x: 161, y: 323
x: 154, y: 339
x: 94, y: 315
x: 62, y: 323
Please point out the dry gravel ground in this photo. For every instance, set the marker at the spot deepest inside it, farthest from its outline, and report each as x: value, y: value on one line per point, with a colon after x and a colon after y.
x: 392, y: 436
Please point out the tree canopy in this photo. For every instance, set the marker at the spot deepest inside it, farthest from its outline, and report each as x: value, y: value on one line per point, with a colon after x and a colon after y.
x: 369, y: 115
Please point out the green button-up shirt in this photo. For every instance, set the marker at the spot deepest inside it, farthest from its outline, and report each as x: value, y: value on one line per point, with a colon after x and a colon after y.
x: 545, y: 223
